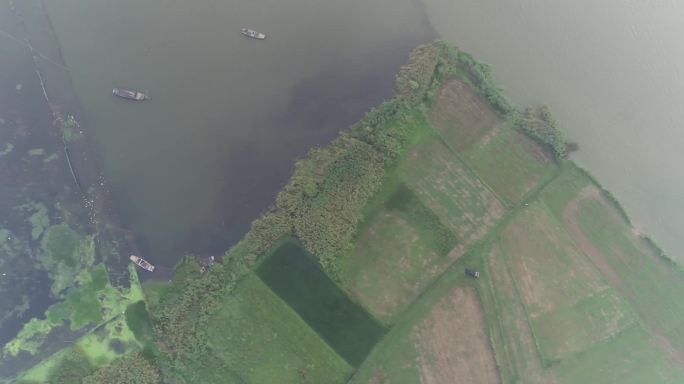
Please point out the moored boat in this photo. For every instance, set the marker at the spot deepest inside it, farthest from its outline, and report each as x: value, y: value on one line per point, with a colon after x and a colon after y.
x: 142, y: 263
x: 253, y: 34
x: 128, y: 94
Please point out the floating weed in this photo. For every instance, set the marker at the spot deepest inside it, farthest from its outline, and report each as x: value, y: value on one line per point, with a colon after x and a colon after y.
x: 39, y: 220
x: 52, y: 157
x: 30, y: 338
x: 96, y: 302
x: 36, y: 152
x: 8, y: 148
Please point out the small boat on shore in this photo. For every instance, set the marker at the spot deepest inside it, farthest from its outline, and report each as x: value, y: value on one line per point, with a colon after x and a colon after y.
x: 127, y: 94
x: 253, y: 34
x: 142, y: 263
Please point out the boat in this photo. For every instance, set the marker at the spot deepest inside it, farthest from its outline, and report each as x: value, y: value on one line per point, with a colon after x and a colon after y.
x: 127, y: 94
x: 253, y: 34
x: 142, y: 263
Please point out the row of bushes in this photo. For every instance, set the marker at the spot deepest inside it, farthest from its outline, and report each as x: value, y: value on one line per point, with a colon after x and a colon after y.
x: 480, y: 75
x: 538, y: 123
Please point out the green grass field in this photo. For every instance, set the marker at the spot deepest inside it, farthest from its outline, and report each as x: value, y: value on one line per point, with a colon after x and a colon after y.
x: 510, y: 163
x: 258, y: 338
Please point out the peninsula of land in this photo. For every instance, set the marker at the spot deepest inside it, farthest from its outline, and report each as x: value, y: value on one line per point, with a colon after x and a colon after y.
x: 356, y: 273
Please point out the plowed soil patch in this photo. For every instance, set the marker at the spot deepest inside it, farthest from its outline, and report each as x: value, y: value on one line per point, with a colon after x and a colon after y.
x: 452, y: 342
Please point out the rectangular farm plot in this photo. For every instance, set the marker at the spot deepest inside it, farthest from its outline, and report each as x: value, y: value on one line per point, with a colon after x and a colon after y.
x: 441, y: 339
x: 652, y: 285
x: 461, y: 116
x: 456, y: 195
x: 630, y: 358
x: 509, y: 162
x: 255, y: 337
x: 569, y: 304
x: 390, y: 265
x: 571, y: 329
x: 452, y: 342
x: 343, y: 324
x: 512, y: 338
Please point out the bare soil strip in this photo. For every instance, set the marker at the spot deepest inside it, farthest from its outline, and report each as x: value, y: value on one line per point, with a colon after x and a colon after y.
x: 453, y: 344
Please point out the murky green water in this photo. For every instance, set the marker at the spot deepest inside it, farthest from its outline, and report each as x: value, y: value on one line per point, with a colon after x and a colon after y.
x: 613, y: 73
x: 191, y: 167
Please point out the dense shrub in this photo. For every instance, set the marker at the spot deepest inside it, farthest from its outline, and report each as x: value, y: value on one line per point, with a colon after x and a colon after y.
x: 480, y: 75
x: 414, y: 78
x: 129, y: 369
x: 538, y: 123
x: 71, y: 368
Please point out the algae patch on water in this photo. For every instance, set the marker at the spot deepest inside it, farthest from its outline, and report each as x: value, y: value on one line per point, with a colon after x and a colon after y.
x: 36, y: 152
x: 94, y: 302
x: 9, y: 147
x: 65, y: 254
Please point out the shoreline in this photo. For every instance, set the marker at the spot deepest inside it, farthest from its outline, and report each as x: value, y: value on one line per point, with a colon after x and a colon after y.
x: 323, y: 204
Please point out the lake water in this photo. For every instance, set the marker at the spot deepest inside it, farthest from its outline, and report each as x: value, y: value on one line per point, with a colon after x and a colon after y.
x: 227, y: 116
x: 612, y: 71
x: 191, y: 167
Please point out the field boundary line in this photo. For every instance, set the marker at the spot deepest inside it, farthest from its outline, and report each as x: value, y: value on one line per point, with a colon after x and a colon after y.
x: 506, y: 261
x: 496, y: 324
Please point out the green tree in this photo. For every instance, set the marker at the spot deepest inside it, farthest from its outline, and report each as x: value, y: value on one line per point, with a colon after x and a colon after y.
x: 129, y: 369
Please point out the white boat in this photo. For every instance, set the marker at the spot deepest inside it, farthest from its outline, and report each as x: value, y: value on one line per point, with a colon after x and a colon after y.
x: 253, y: 34
x: 142, y: 263
x: 128, y: 94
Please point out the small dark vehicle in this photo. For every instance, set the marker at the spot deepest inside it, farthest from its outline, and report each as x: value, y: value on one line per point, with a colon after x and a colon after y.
x: 472, y: 273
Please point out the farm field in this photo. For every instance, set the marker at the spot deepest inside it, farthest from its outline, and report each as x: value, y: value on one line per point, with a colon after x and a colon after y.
x: 435, y: 209
x: 570, y: 292
x: 257, y: 338
x: 441, y: 337
x: 509, y: 162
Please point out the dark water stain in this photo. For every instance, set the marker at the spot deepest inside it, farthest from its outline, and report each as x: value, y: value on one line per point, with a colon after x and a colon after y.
x: 343, y: 324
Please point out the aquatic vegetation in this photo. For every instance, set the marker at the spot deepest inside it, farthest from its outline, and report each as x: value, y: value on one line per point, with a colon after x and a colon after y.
x: 36, y: 152
x: 70, y: 128
x: 61, y: 243
x: 39, y: 220
x: 9, y: 243
x: 65, y: 254
x: 17, y: 311
x: 97, y: 304
x: 52, y: 157
x: 30, y: 338
x: 9, y: 147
